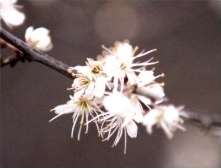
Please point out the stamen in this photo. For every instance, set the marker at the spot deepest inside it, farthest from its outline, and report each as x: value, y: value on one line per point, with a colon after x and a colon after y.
x: 107, y: 49
x: 79, y: 132
x: 135, y: 49
x: 161, y: 75
x: 75, y: 118
x: 86, y: 131
x: 119, y: 134
x: 144, y: 63
x: 54, y: 117
x: 162, y: 84
x: 125, y: 141
x: 70, y: 88
x: 143, y: 54
x: 110, y: 134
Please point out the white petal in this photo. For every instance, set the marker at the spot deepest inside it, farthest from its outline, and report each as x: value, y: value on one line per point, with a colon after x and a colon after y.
x: 151, y: 118
x: 157, y: 90
x: 132, y: 129
x: 64, y: 109
x: 145, y: 77
x: 138, y: 117
x: 42, y: 31
x: 44, y: 44
x: 79, y: 93
x: 12, y: 17
x: 28, y: 33
x: 99, y: 87
x: 171, y: 114
x: 144, y: 100
x: 76, y: 83
x: 167, y: 130
x: 110, y: 66
x: 90, y: 88
x: 117, y: 103
x: 38, y: 34
x: 149, y: 129
x: 85, y: 70
x: 131, y: 77
x: 127, y: 117
x: 125, y: 52
x: 8, y: 2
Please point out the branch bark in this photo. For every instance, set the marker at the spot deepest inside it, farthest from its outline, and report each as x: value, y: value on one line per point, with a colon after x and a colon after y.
x: 204, y: 121
x: 33, y: 55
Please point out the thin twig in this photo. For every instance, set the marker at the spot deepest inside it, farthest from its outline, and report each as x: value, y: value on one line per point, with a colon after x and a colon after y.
x: 204, y: 121
x: 33, y: 55
x: 10, y: 60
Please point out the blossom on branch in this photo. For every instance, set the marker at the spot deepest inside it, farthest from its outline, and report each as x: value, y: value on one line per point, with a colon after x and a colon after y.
x: 125, y: 90
x: 91, y: 77
x: 146, y: 82
x: 166, y: 117
x: 119, y: 63
x: 119, y: 118
x: 84, y: 106
x: 10, y: 14
x: 39, y: 38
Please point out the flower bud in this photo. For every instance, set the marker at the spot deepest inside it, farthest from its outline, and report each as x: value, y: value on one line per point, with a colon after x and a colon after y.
x: 39, y: 38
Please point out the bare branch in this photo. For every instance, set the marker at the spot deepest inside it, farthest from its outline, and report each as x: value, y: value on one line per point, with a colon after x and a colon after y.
x: 204, y: 121
x: 33, y: 55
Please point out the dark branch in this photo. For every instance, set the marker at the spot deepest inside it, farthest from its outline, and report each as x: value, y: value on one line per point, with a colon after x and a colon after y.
x: 213, y: 120
x: 30, y: 54
x: 33, y: 55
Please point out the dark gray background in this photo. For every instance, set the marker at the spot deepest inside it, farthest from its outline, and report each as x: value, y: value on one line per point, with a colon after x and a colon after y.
x: 187, y: 36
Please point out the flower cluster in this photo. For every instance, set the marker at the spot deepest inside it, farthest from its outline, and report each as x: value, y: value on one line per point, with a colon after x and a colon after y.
x: 117, y: 92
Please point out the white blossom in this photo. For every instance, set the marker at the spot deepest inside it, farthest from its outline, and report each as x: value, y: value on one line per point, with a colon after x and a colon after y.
x: 39, y: 38
x: 120, y: 118
x: 119, y: 63
x: 125, y: 90
x: 146, y: 82
x: 83, y: 84
x: 10, y: 14
x: 84, y: 106
x: 91, y: 78
x: 166, y: 117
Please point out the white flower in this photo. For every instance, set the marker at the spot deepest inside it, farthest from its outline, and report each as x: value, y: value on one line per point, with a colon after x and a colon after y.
x: 166, y: 117
x: 119, y: 117
x: 145, y: 77
x: 93, y: 78
x: 119, y: 63
x: 10, y: 14
x: 39, y: 38
x: 83, y: 106
x: 146, y: 84
x: 83, y: 84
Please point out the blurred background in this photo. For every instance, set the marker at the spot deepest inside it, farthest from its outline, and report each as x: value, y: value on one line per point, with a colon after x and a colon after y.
x: 188, y: 38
